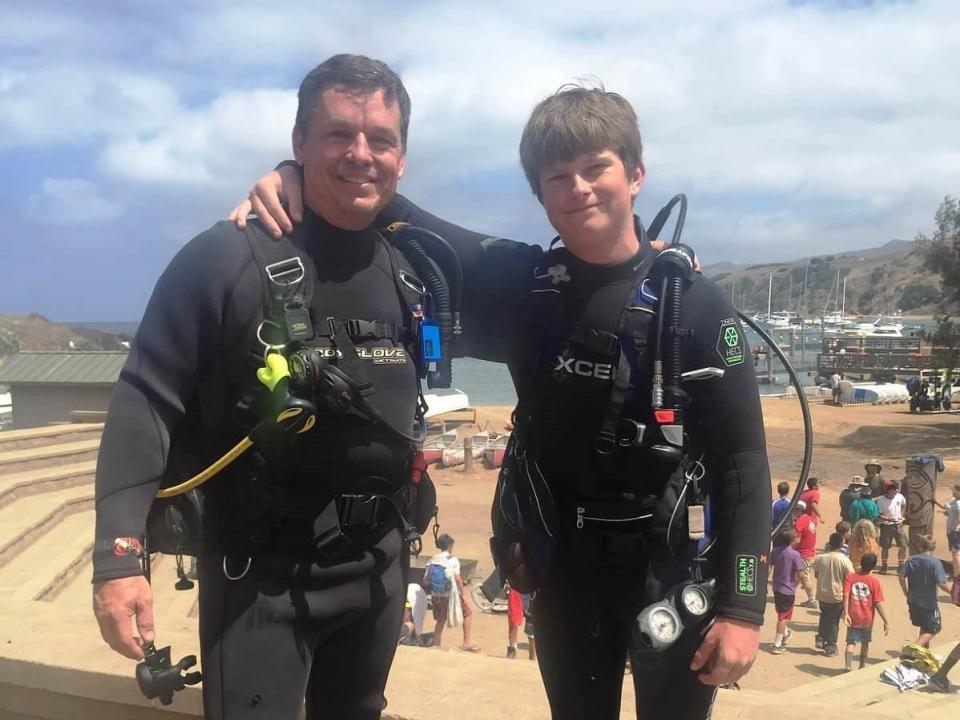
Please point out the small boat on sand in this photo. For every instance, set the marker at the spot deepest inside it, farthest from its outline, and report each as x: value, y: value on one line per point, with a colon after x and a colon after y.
x: 455, y: 454
x: 493, y: 454
x: 433, y: 447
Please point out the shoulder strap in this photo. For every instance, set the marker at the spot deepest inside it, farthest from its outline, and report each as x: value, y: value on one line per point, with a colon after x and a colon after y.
x: 544, y: 326
x: 287, y: 278
x: 607, y: 437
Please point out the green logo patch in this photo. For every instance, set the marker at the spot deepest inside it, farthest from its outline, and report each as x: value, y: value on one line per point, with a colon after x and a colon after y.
x: 730, y: 343
x: 746, y: 574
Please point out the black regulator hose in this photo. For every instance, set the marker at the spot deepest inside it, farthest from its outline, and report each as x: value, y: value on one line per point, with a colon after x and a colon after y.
x: 445, y: 286
x: 674, y: 292
x: 672, y: 371
x: 805, y: 411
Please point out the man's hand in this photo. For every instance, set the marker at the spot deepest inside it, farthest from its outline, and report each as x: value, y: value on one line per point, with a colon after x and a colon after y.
x: 116, y: 603
x: 727, y: 652
x: 848, y: 621
x: 266, y: 199
x: 886, y: 628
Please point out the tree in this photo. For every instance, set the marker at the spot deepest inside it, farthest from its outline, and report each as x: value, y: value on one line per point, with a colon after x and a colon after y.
x: 941, y: 253
x: 945, y: 338
x: 916, y: 294
x: 942, y: 256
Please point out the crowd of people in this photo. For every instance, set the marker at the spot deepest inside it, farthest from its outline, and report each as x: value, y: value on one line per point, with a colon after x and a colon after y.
x: 840, y: 580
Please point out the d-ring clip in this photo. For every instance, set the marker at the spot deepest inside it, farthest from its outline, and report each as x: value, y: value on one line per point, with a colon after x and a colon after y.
x: 246, y: 569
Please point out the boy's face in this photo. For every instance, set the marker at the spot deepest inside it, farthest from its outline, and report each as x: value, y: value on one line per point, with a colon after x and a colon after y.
x: 589, y: 200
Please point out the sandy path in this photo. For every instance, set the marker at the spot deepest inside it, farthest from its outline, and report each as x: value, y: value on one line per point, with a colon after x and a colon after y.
x: 844, y: 438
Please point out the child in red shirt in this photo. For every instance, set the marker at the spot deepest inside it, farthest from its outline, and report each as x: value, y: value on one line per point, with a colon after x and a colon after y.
x: 806, y: 527
x: 862, y: 595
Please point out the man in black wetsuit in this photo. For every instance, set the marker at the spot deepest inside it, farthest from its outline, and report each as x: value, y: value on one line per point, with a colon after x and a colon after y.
x: 293, y: 615
x: 581, y: 153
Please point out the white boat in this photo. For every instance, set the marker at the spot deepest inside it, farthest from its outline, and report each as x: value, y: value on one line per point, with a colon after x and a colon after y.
x: 783, y: 319
x: 883, y: 326
x: 446, y: 401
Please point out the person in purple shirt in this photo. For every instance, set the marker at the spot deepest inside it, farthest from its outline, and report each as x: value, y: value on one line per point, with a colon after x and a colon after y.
x: 782, y: 503
x: 786, y: 563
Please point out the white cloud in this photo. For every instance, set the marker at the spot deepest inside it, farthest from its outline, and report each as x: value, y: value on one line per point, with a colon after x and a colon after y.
x: 239, y: 133
x: 788, y: 126
x: 71, y: 201
x: 75, y: 105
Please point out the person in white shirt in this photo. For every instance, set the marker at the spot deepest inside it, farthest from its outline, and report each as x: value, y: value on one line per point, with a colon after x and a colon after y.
x: 893, y: 507
x: 953, y: 529
x: 443, y: 591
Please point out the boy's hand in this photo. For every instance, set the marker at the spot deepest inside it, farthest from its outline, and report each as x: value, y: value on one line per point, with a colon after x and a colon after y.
x: 266, y: 199
x: 848, y: 621
x: 886, y: 628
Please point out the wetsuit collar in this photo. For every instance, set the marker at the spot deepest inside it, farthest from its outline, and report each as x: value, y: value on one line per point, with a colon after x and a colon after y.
x: 615, y: 271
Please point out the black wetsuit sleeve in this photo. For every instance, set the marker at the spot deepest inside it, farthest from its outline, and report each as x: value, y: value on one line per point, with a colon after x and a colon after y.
x: 726, y: 423
x: 496, y: 277
x: 181, y: 329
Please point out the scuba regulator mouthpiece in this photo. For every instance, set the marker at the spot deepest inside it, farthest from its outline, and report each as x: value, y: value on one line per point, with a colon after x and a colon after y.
x: 159, y: 678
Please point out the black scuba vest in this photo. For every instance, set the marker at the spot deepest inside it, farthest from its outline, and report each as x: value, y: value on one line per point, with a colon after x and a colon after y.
x: 293, y: 317
x: 584, y: 394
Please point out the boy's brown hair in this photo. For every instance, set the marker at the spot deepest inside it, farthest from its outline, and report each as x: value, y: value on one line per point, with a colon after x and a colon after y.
x: 785, y: 536
x: 574, y: 120
x: 926, y: 543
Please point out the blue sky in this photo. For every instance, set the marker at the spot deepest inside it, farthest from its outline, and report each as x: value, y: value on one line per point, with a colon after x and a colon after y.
x: 795, y: 128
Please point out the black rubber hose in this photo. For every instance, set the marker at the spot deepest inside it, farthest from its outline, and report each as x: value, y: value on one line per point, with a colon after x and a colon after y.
x: 451, y: 267
x: 432, y: 278
x: 671, y: 373
x: 807, y: 420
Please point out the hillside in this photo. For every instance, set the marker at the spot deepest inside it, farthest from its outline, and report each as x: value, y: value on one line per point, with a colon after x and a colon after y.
x: 35, y: 332
x: 879, y: 280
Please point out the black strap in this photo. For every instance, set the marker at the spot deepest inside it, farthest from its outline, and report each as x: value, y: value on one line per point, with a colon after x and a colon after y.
x: 280, y: 287
x: 606, y: 439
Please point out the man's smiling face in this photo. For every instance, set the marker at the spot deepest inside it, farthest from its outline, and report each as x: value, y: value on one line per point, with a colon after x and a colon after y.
x: 352, y: 156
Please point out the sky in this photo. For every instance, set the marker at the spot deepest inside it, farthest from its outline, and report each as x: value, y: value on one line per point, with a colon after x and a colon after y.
x: 794, y: 128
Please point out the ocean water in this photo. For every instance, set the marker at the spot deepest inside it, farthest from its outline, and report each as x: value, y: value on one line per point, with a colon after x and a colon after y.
x: 488, y: 383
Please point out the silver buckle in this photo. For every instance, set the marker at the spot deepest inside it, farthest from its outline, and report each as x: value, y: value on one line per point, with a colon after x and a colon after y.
x: 286, y: 272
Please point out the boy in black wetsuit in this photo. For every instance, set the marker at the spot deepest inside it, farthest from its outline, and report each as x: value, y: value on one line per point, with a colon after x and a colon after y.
x: 581, y: 153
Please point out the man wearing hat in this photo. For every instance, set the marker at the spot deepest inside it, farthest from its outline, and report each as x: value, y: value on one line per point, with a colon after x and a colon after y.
x: 874, y: 479
x: 850, y: 494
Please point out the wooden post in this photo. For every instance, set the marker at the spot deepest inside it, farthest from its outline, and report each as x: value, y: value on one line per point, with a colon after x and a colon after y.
x: 468, y: 453
x: 803, y: 338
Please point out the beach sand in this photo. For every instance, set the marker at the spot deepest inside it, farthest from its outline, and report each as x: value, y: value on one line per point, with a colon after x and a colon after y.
x: 844, y: 438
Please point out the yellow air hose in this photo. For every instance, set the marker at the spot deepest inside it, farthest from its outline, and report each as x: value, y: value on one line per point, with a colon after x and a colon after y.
x: 276, y: 370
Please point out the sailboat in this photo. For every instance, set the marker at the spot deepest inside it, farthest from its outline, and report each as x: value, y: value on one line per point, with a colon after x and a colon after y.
x: 836, y: 322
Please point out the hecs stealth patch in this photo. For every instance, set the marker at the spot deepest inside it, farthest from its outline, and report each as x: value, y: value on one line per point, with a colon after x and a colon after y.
x: 730, y: 342
x: 746, y: 574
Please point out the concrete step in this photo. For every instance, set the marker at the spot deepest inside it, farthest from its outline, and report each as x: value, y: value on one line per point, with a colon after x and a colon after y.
x: 44, y: 480
x: 31, y: 571
x: 861, y: 691
x: 27, y: 520
x: 17, y: 461
x: 48, y: 435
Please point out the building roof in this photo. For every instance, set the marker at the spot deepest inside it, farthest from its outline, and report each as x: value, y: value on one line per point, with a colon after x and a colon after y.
x: 74, y: 367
